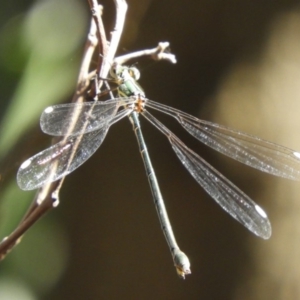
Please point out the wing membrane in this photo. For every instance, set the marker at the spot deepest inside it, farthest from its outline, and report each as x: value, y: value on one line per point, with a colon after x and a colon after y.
x: 250, y: 150
x: 79, y: 118
x: 225, y: 193
x: 59, y: 160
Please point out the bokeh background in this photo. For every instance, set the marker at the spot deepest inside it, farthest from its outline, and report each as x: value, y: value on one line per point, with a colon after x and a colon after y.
x: 238, y: 65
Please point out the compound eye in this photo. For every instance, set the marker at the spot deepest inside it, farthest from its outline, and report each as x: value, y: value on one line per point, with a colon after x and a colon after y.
x: 134, y: 73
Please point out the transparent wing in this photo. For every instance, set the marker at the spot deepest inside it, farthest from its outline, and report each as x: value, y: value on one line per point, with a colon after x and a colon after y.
x: 250, y: 150
x: 64, y: 157
x: 59, y: 160
x: 226, y: 194
x: 59, y: 120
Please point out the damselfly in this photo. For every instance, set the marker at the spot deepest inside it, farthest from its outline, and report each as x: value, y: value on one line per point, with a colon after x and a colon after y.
x: 95, y: 118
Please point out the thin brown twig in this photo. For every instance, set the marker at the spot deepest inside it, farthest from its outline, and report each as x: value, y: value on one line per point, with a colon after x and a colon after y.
x: 47, y: 197
x: 96, y: 10
x: 33, y: 214
x: 83, y: 77
x: 158, y: 53
x: 121, y: 9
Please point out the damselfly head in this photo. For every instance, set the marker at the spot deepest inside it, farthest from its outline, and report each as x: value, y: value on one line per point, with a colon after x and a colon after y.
x: 120, y: 72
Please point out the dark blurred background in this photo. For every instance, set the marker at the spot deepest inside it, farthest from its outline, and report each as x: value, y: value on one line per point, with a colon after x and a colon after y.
x: 238, y: 65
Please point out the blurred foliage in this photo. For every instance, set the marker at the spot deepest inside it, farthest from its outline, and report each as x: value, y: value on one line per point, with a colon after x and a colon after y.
x: 41, y: 45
